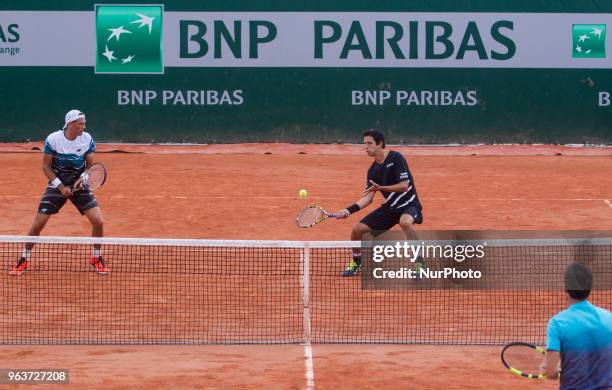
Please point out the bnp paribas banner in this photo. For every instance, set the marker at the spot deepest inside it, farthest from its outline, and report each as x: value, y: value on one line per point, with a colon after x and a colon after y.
x: 145, y: 39
x: 311, y: 76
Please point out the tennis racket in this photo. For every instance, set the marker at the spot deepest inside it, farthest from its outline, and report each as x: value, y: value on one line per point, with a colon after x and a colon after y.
x: 311, y: 216
x: 92, y: 179
x: 524, y: 359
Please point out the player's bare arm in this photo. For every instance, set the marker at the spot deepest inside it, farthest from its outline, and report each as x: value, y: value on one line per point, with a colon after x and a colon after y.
x: 47, y: 160
x: 89, y: 160
x: 551, y: 363
x: 363, y: 202
x: 46, y: 166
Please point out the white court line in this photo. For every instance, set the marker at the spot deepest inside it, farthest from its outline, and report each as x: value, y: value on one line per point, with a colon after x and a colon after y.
x: 608, y: 202
x: 309, y: 366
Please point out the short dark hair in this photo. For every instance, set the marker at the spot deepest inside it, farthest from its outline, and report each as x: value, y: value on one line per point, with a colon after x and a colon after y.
x: 578, y: 281
x: 579, y: 295
x: 377, y: 135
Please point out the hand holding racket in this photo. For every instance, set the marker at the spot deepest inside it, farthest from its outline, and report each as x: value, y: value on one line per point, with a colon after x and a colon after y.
x: 312, y: 215
x: 92, y: 179
x: 524, y: 359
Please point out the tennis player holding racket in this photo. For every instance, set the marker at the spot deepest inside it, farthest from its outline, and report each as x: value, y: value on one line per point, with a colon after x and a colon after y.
x: 66, y: 155
x: 389, y: 175
x: 580, y: 336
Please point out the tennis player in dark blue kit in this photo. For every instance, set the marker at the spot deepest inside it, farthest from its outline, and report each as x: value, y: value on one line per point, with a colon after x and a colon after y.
x: 390, y: 175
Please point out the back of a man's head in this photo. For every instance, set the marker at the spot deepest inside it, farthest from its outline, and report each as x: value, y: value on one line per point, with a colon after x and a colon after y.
x: 578, y: 281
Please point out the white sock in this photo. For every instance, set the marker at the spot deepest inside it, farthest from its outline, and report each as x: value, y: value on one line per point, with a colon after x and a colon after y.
x: 97, y: 252
x: 25, y: 254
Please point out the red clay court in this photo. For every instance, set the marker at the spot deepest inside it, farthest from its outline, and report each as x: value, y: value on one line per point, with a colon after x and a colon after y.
x: 249, y: 192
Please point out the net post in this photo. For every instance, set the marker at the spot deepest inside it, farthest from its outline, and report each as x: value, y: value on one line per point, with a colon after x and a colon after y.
x: 306, y: 291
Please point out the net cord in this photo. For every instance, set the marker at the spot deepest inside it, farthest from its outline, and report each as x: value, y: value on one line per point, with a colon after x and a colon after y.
x: 285, y: 244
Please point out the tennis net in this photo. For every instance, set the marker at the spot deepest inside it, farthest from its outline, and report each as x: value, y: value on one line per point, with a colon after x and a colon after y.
x: 163, y: 291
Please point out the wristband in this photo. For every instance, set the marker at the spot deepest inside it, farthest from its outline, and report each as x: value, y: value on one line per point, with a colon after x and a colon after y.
x: 353, y: 208
x: 56, y: 182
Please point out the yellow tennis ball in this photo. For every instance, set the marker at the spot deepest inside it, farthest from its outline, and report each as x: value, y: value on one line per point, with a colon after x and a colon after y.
x: 303, y: 193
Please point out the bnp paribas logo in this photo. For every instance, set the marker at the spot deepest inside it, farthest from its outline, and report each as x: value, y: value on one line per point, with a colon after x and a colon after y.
x: 589, y: 41
x: 129, y: 38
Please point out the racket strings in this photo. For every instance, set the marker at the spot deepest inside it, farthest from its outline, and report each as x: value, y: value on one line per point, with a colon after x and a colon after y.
x: 309, y: 216
x: 525, y: 359
x: 94, y: 177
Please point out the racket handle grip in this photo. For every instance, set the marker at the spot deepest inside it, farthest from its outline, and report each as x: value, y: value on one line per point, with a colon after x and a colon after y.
x: 333, y: 215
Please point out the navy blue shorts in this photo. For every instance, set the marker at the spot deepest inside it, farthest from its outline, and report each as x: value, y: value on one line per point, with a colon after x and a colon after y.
x: 384, y: 219
x: 53, y: 200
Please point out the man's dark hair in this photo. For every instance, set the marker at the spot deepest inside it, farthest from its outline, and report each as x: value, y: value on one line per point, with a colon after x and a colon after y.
x: 578, y: 281
x: 377, y: 135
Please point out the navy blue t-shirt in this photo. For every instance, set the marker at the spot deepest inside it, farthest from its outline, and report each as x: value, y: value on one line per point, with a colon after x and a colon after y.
x: 394, y: 170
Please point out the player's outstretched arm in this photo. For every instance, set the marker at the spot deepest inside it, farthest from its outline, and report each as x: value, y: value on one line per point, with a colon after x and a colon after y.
x: 362, y: 203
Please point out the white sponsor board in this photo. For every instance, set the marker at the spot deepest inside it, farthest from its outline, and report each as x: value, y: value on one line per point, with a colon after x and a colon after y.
x: 321, y: 39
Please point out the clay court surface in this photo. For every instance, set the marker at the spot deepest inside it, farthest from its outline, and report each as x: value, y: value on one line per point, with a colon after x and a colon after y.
x: 250, y: 192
